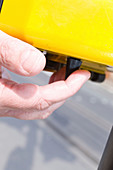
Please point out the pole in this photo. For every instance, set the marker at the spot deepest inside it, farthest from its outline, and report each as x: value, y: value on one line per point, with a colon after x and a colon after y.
x: 106, y: 162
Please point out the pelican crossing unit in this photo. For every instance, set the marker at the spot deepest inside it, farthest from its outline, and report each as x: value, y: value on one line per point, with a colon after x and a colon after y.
x: 75, y: 29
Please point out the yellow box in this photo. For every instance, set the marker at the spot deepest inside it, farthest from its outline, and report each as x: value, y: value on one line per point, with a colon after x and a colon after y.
x: 76, y: 28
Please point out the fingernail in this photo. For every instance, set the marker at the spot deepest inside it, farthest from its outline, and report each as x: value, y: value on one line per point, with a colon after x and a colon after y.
x: 32, y: 61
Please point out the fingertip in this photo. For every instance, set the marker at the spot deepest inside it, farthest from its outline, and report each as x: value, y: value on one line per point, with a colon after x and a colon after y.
x: 84, y: 73
x: 80, y: 74
x: 58, y: 76
x: 51, y: 78
x: 76, y: 80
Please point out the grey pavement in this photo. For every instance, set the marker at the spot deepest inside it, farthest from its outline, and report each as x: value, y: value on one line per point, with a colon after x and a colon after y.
x: 73, y: 137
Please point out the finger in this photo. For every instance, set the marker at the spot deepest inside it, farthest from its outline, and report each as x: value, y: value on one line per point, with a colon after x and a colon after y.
x: 57, y: 76
x: 61, y: 90
x: 23, y: 101
x: 21, y: 96
x: 29, y: 96
x: 20, y: 57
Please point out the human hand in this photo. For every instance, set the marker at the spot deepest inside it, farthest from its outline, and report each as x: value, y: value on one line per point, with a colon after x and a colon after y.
x: 29, y: 101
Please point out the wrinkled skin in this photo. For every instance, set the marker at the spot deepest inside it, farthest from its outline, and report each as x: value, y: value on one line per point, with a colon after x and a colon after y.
x: 29, y: 101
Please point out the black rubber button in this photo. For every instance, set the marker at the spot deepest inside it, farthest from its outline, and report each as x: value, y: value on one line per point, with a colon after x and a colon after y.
x: 1, y: 3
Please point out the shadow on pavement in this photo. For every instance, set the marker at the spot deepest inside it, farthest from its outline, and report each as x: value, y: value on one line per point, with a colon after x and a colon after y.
x: 40, y: 142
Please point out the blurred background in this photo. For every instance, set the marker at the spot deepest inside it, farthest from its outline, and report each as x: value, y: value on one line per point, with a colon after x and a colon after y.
x: 73, y: 137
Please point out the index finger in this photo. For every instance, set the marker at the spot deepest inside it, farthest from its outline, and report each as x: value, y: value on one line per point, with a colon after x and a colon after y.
x: 62, y: 90
x: 24, y: 96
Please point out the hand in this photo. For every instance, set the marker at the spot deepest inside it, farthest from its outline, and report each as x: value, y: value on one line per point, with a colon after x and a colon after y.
x: 29, y: 101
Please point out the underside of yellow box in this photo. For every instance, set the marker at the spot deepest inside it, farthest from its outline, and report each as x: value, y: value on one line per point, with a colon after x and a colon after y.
x: 81, y: 29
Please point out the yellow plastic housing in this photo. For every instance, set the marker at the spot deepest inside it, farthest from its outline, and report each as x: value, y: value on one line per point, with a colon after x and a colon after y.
x: 78, y: 28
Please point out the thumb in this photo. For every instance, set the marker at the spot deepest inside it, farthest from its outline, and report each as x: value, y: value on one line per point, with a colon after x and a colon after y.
x: 20, y: 57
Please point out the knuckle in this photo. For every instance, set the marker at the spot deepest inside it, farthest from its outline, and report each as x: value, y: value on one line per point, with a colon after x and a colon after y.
x: 6, y: 51
x: 43, y: 104
x: 4, y: 47
x: 9, y: 47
